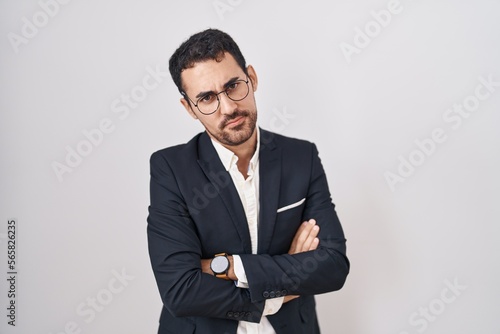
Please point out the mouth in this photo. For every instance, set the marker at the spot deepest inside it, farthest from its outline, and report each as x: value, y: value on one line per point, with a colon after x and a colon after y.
x: 235, y: 122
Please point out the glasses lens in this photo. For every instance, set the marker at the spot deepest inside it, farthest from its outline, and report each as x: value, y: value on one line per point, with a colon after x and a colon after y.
x: 238, y: 90
x: 208, y: 104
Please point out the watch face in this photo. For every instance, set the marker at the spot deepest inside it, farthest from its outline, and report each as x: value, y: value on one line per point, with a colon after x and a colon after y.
x: 219, y: 264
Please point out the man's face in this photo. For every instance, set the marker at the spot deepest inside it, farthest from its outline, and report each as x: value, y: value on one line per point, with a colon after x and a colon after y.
x: 234, y: 122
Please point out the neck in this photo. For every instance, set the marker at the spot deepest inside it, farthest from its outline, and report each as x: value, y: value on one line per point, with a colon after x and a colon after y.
x: 244, y: 152
x: 246, y: 149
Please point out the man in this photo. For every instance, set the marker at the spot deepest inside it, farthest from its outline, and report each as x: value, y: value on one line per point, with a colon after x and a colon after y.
x: 242, y: 232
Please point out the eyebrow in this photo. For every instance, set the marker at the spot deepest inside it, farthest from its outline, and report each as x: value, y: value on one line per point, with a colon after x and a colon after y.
x: 227, y: 84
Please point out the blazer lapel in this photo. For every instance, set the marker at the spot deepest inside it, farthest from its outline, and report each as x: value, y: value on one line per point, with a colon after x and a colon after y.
x: 211, y: 165
x: 270, y: 177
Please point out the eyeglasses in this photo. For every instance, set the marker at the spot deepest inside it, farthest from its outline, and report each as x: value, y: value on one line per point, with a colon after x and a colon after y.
x: 210, y: 102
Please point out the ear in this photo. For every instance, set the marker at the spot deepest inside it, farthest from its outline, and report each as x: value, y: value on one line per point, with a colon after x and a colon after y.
x: 253, y: 77
x: 188, y: 108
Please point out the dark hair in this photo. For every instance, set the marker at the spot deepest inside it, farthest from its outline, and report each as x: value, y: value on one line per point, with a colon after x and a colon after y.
x: 205, y: 45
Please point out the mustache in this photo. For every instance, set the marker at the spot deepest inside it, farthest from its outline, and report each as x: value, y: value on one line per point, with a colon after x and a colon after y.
x: 234, y: 115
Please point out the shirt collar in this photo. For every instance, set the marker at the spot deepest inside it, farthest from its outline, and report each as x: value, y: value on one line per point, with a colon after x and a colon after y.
x: 228, y: 158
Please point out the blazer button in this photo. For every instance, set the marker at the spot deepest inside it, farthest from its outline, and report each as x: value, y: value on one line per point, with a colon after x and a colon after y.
x: 272, y: 294
x: 278, y: 293
x: 284, y: 292
x: 248, y: 314
x: 236, y: 314
x: 229, y: 314
x: 265, y: 294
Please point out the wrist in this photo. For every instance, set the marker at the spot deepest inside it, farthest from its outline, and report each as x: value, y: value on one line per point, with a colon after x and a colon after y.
x: 230, y: 273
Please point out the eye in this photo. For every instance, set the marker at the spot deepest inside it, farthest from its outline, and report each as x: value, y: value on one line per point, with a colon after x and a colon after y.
x: 232, y: 86
x: 207, y: 98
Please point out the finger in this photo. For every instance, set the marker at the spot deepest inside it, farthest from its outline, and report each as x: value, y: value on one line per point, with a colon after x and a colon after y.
x: 300, y: 236
x: 313, y: 233
x: 314, y: 244
x: 307, y: 244
x: 303, y: 235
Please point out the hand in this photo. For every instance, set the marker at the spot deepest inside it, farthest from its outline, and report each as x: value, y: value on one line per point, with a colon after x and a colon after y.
x: 289, y: 298
x: 205, y: 266
x: 305, y: 238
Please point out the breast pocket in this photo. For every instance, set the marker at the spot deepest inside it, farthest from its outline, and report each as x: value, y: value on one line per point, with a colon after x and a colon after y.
x: 291, y: 206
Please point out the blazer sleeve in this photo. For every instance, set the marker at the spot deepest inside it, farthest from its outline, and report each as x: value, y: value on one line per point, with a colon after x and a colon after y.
x: 309, y: 273
x: 175, y: 253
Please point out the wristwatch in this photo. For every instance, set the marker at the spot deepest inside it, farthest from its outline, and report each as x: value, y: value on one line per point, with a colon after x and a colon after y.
x: 220, y: 265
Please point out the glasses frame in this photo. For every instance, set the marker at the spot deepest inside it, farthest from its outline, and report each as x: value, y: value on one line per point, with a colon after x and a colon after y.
x: 217, y: 96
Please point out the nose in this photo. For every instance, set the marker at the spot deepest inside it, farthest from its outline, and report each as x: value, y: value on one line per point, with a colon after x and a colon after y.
x: 227, y: 106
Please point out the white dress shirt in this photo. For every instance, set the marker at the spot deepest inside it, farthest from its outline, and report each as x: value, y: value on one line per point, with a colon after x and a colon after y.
x: 248, y: 190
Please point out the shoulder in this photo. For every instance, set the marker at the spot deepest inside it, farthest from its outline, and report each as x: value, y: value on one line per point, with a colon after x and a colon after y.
x: 270, y: 140
x: 178, y: 153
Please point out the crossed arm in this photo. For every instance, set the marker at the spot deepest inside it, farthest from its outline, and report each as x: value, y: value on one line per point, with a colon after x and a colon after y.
x: 305, y: 239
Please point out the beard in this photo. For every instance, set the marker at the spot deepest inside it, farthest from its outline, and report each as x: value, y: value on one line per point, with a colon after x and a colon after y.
x: 239, y: 134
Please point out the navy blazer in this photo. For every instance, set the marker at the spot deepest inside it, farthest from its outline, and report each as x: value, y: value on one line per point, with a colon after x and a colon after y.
x: 196, y: 212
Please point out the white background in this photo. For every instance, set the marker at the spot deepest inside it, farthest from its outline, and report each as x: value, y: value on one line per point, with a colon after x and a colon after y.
x: 440, y: 225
